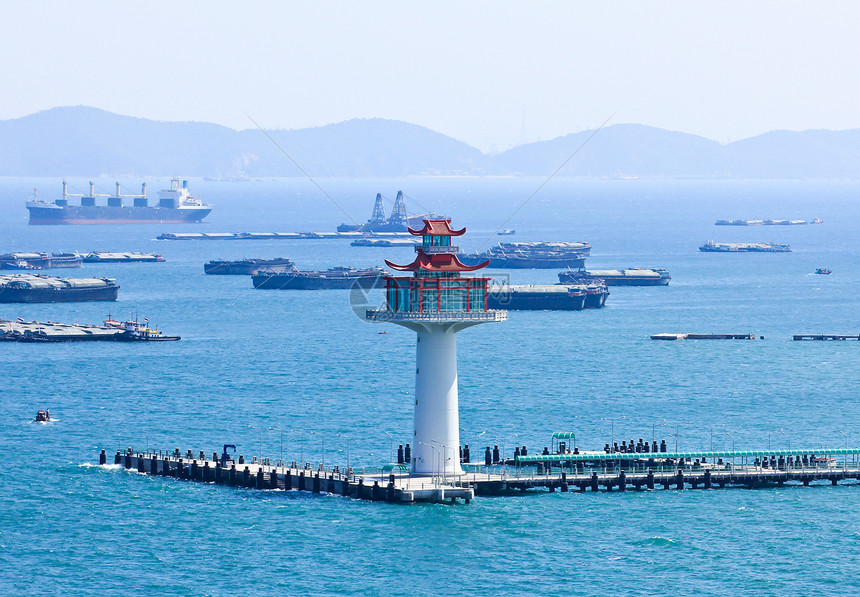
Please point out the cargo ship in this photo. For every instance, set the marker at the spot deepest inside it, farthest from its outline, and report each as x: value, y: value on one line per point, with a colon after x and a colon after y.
x: 249, y: 267
x: 397, y: 222
x: 36, y: 288
x: 532, y: 255
x: 40, y: 260
x: 547, y: 297
x: 335, y: 278
x: 634, y: 276
x: 121, y: 257
x: 712, y: 247
x: 766, y: 222
x: 175, y: 206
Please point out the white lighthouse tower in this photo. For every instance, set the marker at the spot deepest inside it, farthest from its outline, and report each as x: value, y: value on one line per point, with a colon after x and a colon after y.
x: 436, y: 302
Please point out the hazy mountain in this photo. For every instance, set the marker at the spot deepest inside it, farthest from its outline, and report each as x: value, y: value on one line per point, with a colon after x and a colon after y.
x: 83, y: 141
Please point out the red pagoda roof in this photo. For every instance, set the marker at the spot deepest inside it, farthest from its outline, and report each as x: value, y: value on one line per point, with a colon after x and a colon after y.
x: 437, y: 228
x: 442, y: 262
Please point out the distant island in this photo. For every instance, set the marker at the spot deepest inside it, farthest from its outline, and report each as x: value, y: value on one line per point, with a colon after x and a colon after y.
x: 84, y: 141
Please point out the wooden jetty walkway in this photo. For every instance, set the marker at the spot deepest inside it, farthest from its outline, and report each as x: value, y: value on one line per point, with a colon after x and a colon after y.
x: 611, y: 471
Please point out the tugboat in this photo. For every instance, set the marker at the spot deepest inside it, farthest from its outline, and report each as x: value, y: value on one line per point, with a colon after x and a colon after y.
x: 134, y: 331
x: 823, y: 271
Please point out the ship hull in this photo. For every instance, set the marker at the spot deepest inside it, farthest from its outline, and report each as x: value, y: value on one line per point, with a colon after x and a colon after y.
x: 53, y: 295
x: 595, y: 300
x: 101, y: 214
x: 535, y: 301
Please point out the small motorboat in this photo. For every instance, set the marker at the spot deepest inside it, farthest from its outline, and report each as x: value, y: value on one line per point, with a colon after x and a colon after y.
x: 506, y: 232
x: 43, y: 416
x: 823, y: 271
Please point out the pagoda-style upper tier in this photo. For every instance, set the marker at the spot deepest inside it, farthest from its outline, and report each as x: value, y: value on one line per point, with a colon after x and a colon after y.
x: 437, y: 228
x: 436, y: 255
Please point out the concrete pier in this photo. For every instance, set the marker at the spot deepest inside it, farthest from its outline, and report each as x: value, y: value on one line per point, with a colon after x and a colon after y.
x: 388, y: 484
x: 564, y: 472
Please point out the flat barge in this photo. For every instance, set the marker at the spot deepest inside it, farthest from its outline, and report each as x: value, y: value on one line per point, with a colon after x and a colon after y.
x: 122, y: 257
x: 692, y: 336
x: 36, y: 288
x: 249, y: 267
x: 332, y: 279
x: 712, y: 247
x: 51, y: 331
x: 42, y: 260
x: 634, y: 276
x: 277, y: 235
x: 766, y: 222
x: 837, y: 337
x: 547, y: 297
x: 531, y: 255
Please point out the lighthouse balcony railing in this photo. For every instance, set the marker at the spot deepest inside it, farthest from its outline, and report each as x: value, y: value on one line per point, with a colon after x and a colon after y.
x: 385, y: 315
x: 437, y: 249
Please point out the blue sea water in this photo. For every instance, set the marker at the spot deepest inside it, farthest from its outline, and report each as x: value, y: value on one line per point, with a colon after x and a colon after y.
x: 299, y: 373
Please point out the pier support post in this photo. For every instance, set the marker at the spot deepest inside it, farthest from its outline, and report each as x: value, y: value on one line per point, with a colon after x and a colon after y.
x: 288, y: 480
x: 650, y: 480
x: 564, y: 486
x: 153, y: 465
x: 180, y: 469
x: 233, y: 474
x: 707, y: 478
x: 622, y: 481
x: 679, y: 479
x: 195, y: 470
x: 219, y: 472
x: 118, y: 458
x: 246, y: 476
x: 594, y: 483
x: 302, y: 481
x: 273, y: 478
x: 127, y: 463
x: 316, y: 483
x: 359, y: 491
x: 260, y: 481
x: 103, y: 457
x: 834, y: 481
x: 141, y: 464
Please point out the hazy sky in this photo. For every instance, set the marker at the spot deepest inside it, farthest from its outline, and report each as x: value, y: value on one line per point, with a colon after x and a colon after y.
x: 471, y: 70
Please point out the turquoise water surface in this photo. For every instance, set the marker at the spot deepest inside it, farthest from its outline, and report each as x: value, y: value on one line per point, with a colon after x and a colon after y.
x: 299, y: 373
